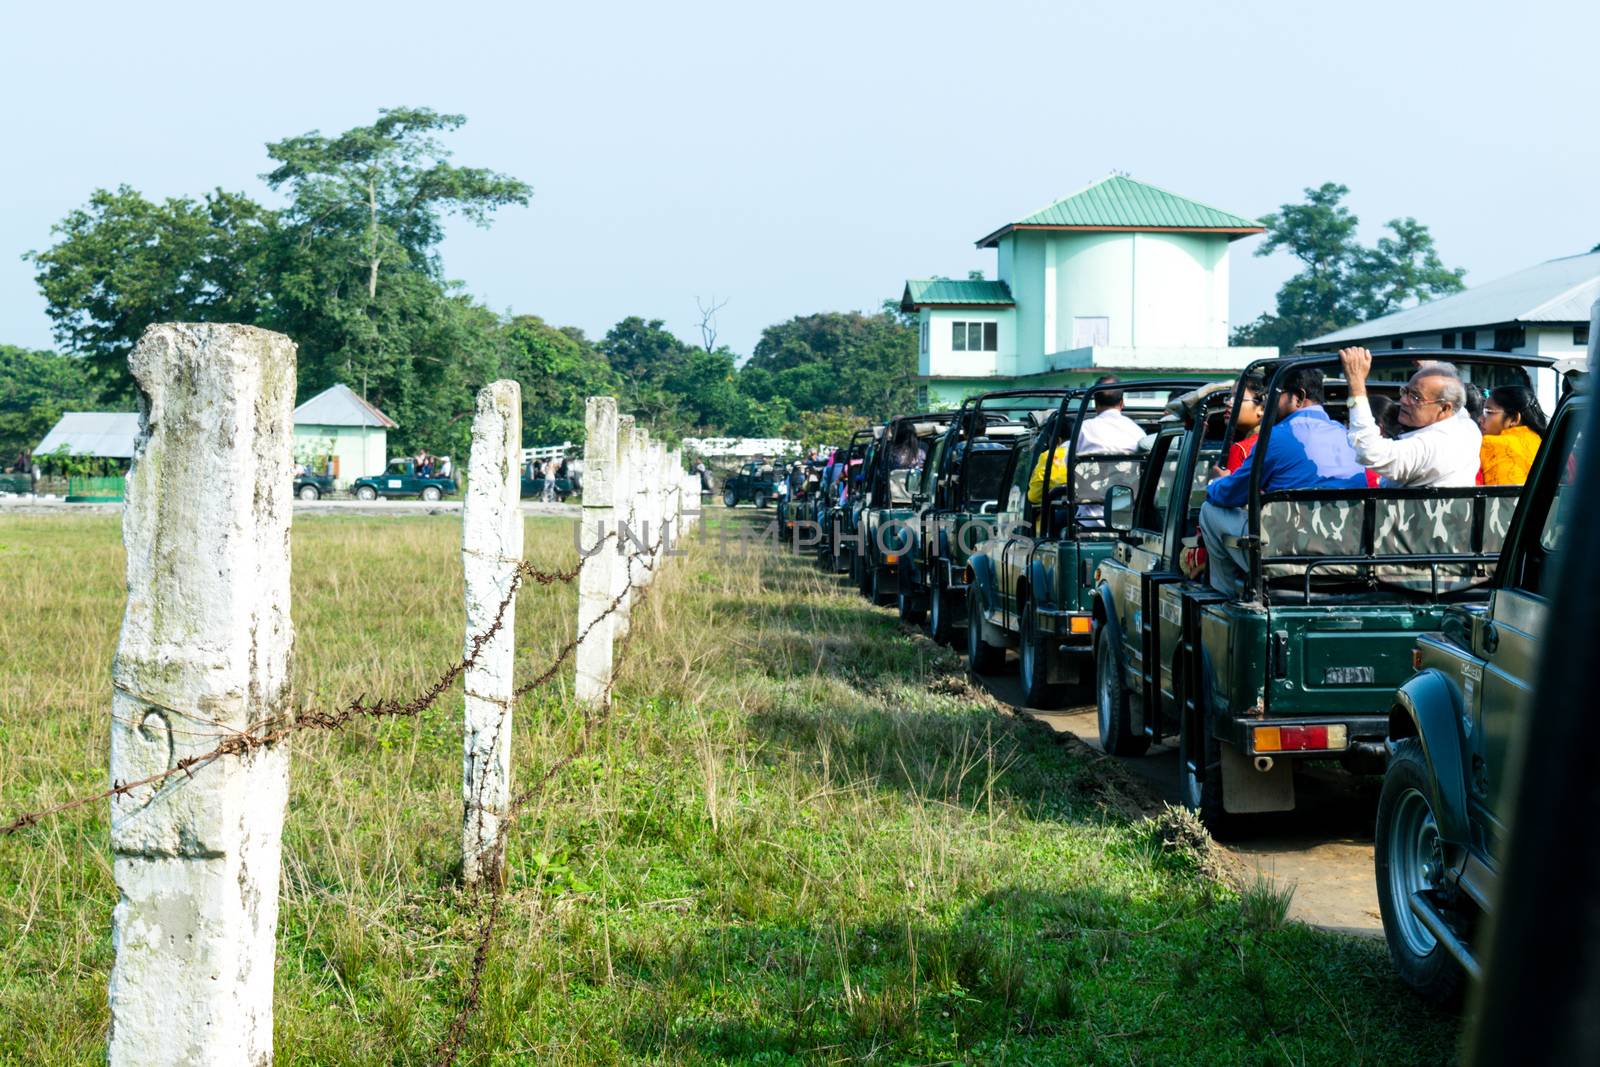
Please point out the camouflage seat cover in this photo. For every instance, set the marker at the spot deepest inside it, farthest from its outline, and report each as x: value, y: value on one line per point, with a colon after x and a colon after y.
x: 1442, y: 523
x: 899, y: 491
x: 1093, y: 476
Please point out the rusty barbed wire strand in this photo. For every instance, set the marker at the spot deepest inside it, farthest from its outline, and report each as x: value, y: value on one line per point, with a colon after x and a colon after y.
x: 273, y: 730
x: 449, y: 1047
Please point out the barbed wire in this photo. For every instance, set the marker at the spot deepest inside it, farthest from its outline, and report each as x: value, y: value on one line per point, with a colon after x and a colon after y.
x: 275, y: 729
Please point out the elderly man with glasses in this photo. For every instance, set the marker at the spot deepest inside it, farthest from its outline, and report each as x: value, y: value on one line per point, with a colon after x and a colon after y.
x: 1441, y: 443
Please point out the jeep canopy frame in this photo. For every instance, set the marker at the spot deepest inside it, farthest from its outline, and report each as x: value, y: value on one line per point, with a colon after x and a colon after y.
x: 1084, y: 395
x: 1256, y: 588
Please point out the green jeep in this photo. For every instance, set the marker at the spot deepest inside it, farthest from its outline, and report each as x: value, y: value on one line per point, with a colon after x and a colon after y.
x: 1441, y: 831
x: 1302, y: 661
x: 402, y: 479
x: 833, y: 513
x: 883, y: 525
x: 957, y: 502
x: 1033, y: 581
x: 756, y: 482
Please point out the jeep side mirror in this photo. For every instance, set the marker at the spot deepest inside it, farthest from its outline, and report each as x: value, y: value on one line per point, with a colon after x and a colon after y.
x: 1119, y: 508
x: 914, y: 482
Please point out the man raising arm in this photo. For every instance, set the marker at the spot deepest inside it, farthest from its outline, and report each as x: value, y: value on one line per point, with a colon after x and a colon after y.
x: 1441, y: 443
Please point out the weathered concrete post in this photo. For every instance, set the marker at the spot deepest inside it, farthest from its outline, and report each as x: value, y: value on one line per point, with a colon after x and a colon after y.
x: 204, y: 655
x: 627, y: 523
x: 597, y: 582
x: 491, y: 548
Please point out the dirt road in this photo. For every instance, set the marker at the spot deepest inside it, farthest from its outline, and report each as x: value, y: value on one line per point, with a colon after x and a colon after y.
x: 1324, y: 847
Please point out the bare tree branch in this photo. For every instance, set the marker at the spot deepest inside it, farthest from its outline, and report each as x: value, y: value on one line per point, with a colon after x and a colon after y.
x: 708, y: 321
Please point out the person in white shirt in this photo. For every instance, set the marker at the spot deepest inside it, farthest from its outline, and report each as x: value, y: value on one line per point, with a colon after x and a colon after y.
x: 1109, y: 430
x: 1440, y: 444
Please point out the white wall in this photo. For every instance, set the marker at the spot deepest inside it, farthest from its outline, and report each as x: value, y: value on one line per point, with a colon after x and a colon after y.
x: 942, y: 359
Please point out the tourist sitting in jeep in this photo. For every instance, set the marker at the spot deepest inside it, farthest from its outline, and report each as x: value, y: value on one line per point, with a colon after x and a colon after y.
x: 1317, y: 592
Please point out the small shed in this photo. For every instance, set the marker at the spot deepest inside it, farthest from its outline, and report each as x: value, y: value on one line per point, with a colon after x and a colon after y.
x: 338, y: 431
x: 102, y: 434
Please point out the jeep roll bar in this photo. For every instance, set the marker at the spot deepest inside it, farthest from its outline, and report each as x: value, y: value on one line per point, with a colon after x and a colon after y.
x: 1284, y: 365
x: 1084, y: 394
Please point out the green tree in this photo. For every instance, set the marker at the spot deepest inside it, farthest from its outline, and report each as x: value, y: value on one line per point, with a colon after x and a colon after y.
x: 122, y: 262
x: 559, y: 370
x: 828, y: 426
x: 836, y: 359
x: 36, y: 388
x: 1340, y: 282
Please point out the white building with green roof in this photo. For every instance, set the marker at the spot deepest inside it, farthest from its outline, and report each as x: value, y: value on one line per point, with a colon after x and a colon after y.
x: 1120, y: 277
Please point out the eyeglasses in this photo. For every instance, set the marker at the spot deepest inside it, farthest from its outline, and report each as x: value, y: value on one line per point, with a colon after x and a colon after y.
x: 1415, y: 397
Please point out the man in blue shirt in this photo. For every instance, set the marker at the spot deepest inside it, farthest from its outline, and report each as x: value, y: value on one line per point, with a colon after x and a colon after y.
x: 1307, y: 450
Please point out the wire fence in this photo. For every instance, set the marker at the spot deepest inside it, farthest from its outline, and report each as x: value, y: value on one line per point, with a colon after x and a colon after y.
x: 487, y: 897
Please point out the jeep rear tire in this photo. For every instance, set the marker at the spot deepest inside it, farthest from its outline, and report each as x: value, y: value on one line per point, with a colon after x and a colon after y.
x: 982, y: 657
x: 941, y: 623
x: 431, y: 493
x: 1034, y: 652
x: 1117, y: 736
x: 1200, y: 770
x: 879, y: 593
x: 908, y: 602
x: 309, y: 492
x: 366, y: 492
x: 760, y: 500
x: 1408, y: 857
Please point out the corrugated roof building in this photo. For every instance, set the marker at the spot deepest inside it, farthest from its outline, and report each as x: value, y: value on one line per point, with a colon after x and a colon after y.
x: 1119, y: 276
x: 103, y: 434
x: 339, y: 432
x: 1543, y: 309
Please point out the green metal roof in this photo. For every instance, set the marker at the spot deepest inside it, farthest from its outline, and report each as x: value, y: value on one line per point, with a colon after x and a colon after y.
x: 1117, y: 202
x: 921, y: 292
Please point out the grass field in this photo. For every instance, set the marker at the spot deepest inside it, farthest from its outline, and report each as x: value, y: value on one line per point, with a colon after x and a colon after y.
x: 801, y: 837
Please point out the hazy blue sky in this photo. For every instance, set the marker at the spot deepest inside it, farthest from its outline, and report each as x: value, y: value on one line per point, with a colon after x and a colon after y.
x: 803, y: 157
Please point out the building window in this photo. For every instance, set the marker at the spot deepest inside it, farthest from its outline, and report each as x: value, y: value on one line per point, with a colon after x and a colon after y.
x: 1447, y: 340
x: 1580, y: 335
x: 975, y: 336
x: 1509, y: 338
x: 1091, y: 330
x: 1469, y: 338
x: 924, y: 335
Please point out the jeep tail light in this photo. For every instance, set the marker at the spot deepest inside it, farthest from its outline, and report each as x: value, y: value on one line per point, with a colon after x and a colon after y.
x: 1079, y: 624
x: 1301, y: 738
x: 1416, y: 659
x: 891, y: 560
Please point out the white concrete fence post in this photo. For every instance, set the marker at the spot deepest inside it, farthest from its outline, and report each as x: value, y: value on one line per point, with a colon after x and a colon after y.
x: 596, y: 581
x: 204, y: 654
x: 491, y: 551
x: 627, y: 524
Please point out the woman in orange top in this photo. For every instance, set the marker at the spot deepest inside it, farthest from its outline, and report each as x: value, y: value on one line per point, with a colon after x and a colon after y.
x: 1513, y: 425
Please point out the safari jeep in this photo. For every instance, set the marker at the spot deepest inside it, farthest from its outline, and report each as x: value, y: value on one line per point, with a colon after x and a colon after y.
x: 401, y: 479
x: 883, y: 526
x: 1302, y: 659
x: 1441, y: 829
x: 1032, y: 582
x: 833, y: 514
x: 957, y: 499
x: 755, y: 482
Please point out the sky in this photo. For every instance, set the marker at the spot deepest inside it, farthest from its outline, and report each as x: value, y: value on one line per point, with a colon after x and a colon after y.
x: 796, y: 158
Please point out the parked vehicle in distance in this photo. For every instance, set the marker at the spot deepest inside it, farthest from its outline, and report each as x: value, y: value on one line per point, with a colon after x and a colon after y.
x: 309, y: 486
x: 1033, y: 581
x: 834, y: 516
x: 1302, y: 660
x: 402, y: 479
x: 958, y: 499
x: 884, y: 521
x: 1441, y: 829
x: 756, y: 482
x: 15, y: 483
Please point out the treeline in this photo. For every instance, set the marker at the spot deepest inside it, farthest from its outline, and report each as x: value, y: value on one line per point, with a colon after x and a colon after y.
x: 350, y: 269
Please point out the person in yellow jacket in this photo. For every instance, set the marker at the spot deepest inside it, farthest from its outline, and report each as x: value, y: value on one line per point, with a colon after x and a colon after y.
x: 1513, y: 425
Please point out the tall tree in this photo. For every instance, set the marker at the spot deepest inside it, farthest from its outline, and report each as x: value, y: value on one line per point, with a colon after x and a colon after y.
x: 836, y: 359
x: 1341, y: 283
x: 559, y: 369
x: 121, y: 262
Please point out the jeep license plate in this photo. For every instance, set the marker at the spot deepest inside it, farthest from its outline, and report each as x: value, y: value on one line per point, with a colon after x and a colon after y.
x: 1349, y: 676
